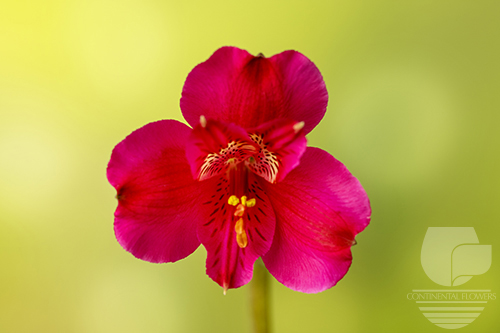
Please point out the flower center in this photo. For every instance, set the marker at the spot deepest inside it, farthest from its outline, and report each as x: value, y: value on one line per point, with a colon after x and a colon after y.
x: 241, y: 159
x: 235, y: 153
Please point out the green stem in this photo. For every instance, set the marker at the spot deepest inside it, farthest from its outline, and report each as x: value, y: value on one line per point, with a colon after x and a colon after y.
x: 259, y: 298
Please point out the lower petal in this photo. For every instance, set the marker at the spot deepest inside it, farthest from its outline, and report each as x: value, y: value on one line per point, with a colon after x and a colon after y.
x: 155, y: 219
x: 229, y: 260
x: 319, y: 207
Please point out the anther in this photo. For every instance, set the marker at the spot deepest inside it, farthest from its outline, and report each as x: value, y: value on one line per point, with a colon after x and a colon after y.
x: 242, y: 240
x: 298, y: 126
x: 240, y: 210
x: 238, y: 227
x: 233, y: 200
x: 250, y: 203
x: 203, y: 121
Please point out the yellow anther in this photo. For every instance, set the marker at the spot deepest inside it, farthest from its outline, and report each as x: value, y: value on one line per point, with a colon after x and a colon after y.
x: 242, y: 239
x: 240, y: 210
x: 238, y: 227
x: 298, y: 126
x: 233, y: 200
x: 250, y: 203
x: 244, y: 200
x: 203, y: 121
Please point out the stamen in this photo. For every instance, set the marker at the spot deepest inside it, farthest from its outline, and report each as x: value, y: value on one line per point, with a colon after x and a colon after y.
x: 251, y: 202
x: 238, y: 227
x: 233, y: 200
x: 242, y: 240
x: 298, y: 126
x: 203, y: 121
x: 240, y: 210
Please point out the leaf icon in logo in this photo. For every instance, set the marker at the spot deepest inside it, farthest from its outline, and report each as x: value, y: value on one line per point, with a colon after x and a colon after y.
x: 450, y: 256
x: 468, y: 260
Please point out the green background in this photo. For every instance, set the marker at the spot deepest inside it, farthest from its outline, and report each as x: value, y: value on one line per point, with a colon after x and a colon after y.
x: 413, y: 113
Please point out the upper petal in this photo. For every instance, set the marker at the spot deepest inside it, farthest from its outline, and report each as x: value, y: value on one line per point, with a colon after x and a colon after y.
x: 281, y: 144
x: 319, y: 208
x: 234, y: 86
x: 157, y: 197
x: 270, y: 150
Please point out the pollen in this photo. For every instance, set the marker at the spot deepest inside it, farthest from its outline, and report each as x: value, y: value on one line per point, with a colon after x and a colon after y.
x: 233, y: 200
x: 245, y: 202
x: 251, y: 202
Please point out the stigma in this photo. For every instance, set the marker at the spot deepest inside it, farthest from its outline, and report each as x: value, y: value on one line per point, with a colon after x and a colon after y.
x: 241, y: 204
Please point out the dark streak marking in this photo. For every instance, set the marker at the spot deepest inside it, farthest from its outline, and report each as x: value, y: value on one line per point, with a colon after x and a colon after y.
x: 261, y: 211
x: 215, y: 211
x: 218, y: 249
x: 258, y: 232
x: 215, y: 262
x: 250, y: 234
x: 213, y: 219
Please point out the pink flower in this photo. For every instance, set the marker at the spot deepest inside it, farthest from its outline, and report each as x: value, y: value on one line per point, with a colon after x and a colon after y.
x: 242, y: 181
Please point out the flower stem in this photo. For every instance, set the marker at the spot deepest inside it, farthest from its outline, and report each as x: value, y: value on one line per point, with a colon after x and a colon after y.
x: 259, y: 298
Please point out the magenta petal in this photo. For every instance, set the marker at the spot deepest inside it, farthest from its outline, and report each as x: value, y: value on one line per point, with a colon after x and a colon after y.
x: 236, y: 87
x: 319, y: 207
x: 228, y: 264
x: 157, y: 210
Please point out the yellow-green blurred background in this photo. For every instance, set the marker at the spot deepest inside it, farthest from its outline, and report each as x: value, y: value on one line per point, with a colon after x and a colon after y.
x: 413, y: 112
